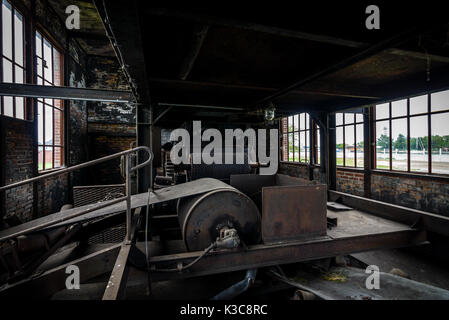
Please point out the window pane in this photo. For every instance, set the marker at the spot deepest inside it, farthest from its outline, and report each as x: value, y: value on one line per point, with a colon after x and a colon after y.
x: 20, y: 108
x: 418, y: 105
x: 318, y: 143
x: 38, y: 44
x: 303, y: 146
x: 8, y: 106
x: 302, y: 120
x: 40, y: 158
x: 290, y: 124
x: 340, y: 146
x: 48, y: 158
x: 58, y: 157
x: 40, y: 123
x: 296, y: 123
x: 7, y: 29
x: 290, y: 147
x: 399, y: 144
x: 296, y: 150
x: 7, y: 71
x: 399, y: 108
x: 48, y: 66
x: 338, y: 119
x: 419, y: 160
x: 383, y: 145
x: 359, y: 145
x: 440, y: 101
x: 440, y: 143
x: 39, y: 67
x: 48, y: 125
x: 58, y: 126
x: 18, y: 38
x: 359, y: 117
x: 382, y: 111
x: 349, y: 118
x: 307, y: 127
x: 349, y: 146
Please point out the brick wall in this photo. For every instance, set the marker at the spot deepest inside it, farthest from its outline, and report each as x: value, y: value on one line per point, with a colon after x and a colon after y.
x: 422, y: 194
x: 294, y: 170
x: 350, y: 182
x: 18, y: 165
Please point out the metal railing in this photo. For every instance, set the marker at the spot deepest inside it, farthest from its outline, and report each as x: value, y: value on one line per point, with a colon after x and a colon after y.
x: 128, y: 171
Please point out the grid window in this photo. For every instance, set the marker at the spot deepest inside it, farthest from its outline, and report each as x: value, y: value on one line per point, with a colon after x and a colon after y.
x: 412, y: 134
x: 49, y: 62
x: 296, y: 138
x: 350, y: 141
x: 12, y: 58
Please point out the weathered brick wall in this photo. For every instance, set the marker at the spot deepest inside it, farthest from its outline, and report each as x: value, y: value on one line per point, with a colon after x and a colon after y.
x: 422, y: 194
x: 103, y: 144
x: 294, y: 170
x: 111, y: 126
x: 350, y: 182
x: 17, y: 166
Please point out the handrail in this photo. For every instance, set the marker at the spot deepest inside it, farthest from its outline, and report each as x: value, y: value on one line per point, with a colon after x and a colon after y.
x: 126, y: 198
x: 84, y: 165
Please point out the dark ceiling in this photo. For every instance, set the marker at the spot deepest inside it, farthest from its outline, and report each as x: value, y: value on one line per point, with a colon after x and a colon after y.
x: 232, y: 57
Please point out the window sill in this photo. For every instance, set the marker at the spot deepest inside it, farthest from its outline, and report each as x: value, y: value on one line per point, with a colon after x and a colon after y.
x: 412, y: 175
x: 42, y: 172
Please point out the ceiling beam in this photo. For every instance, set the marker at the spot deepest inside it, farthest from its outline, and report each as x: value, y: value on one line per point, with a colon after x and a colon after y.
x: 199, y: 34
x: 216, y: 21
x: 256, y: 88
x: 364, y: 54
x: 65, y: 93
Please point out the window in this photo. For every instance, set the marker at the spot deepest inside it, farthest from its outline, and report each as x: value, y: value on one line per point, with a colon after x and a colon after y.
x: 13, y: 58
x: 407, y: 129
x: 296, y: 138
x: 318, y: 145
x: 49, y: 62
x: 350, y: 141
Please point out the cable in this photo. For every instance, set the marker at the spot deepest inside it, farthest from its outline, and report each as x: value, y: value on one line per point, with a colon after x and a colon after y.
x: 182, y: 268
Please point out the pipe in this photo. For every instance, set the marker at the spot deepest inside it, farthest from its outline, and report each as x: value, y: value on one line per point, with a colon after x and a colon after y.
x: 238, y: 288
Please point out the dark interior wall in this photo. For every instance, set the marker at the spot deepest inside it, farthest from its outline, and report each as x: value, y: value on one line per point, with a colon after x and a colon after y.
x: 19, y: 143
x: 111, y: 126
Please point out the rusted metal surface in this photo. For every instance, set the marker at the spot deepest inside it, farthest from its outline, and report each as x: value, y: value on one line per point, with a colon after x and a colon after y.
x: 201, y: 218
x: 293, y: 212
x: 419, y: 219
x: 290, y: 252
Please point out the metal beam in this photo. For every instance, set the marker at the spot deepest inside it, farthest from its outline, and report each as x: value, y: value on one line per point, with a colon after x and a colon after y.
x: 364, y: 54
x: 64, y: 93
x: 257, y: 88
x: 288, y: 33
x: 199, y: 35
x: 200, y: 106
x: 284, y: 253
x: 419, y: 219
x: 45, y: 285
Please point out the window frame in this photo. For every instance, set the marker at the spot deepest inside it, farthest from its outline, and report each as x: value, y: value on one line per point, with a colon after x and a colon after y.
x: 12, y: 60
x: 428, y: 114
x: 45, y: 37
x: 309, y: 128
x: 343, y: 125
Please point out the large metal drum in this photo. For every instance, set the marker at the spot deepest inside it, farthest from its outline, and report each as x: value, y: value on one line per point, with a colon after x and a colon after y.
x: 202, y: 216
